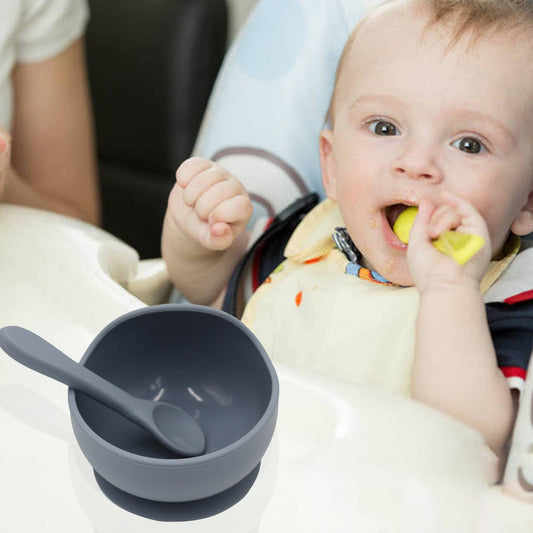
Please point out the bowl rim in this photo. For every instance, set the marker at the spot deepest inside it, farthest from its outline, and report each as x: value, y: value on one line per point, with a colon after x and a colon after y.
x: 225, y: 452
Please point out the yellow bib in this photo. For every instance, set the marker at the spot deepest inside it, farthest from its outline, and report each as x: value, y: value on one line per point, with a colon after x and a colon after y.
x: 310, y: 314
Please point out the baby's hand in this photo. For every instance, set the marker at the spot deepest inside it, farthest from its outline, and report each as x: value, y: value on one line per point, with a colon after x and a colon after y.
x: 209, y: 205
x: 428, y: 266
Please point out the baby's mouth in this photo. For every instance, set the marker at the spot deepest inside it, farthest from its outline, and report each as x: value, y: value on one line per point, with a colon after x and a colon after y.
x: 392, y: 212
x: 390, y: 215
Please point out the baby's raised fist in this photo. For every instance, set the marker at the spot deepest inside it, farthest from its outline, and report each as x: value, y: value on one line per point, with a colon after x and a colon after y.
x: 210, y: 205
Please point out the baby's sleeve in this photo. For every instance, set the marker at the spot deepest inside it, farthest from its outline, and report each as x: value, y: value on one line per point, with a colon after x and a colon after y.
x: 47, y: 27
x: 511, y: 328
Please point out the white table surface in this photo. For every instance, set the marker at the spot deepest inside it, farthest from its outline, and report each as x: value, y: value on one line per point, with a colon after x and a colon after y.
x: 342, y: 459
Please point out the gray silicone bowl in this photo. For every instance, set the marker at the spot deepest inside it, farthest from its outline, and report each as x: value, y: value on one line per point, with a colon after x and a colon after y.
x: 206, y: 362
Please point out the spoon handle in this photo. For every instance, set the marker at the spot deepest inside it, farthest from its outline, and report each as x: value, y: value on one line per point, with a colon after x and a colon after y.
x: 38, y: 354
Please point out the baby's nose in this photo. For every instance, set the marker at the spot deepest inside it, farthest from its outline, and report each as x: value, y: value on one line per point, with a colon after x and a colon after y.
x: 418, y: 163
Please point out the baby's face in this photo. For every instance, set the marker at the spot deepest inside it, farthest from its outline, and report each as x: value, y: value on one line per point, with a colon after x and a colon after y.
x: 413, y: 118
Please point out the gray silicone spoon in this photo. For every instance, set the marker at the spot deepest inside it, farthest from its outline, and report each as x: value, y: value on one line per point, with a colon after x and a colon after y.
x: 170, y: 425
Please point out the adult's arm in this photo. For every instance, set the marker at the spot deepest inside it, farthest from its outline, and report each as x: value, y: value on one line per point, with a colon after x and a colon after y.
x: 53, y: 155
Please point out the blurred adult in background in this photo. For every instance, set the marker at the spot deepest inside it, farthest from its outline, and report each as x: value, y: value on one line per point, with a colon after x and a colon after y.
x: 47, y: 155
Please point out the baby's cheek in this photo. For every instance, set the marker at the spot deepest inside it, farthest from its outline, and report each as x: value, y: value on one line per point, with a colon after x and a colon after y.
x: 498, y: 225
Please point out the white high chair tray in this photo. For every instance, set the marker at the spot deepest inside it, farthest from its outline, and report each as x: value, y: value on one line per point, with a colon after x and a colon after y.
x: 343, y: 458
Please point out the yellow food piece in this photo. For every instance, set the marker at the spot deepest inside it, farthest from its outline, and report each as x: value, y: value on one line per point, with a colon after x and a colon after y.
x: 404, y: 222
x: 460, y: 246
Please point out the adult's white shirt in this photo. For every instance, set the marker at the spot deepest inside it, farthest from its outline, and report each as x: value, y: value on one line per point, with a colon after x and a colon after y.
x: 32, y: 31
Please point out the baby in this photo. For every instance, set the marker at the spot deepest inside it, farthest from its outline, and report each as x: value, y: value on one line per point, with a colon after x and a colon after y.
x: 433, y: 108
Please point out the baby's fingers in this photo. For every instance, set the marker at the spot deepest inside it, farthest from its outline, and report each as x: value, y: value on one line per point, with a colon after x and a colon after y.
x: 235, y: 211
x: 216, y: 195
x: 190, y: 168
x: 215, y: 236
x: 469, y: 220
x: 420, y: 231
x: 194, y: 194
x: 228, y: 220
x: 444, y: 218
x: 220, y: 236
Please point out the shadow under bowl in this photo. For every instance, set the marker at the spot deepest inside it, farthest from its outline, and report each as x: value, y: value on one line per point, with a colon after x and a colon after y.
x: 200, y: 359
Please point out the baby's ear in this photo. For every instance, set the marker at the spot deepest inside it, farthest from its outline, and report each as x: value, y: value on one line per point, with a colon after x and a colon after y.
x: 523, y: 223
x: 327, y: 164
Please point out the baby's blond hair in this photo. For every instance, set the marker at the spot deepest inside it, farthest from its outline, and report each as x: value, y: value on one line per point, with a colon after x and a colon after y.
x: 472, y: 17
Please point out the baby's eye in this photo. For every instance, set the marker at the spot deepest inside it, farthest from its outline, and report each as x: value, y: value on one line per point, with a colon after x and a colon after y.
x: 382, y: 127
x: 470, y: 145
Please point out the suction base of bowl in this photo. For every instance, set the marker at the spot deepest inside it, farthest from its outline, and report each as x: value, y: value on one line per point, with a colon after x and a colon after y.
x: 178, y: 511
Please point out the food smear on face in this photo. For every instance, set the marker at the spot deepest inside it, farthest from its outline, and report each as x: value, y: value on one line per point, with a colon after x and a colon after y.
x: 459, y: 246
